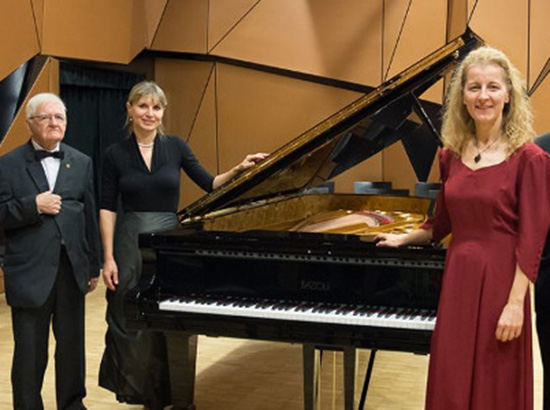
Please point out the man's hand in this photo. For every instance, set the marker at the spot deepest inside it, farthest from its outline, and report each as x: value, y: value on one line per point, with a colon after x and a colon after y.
x: 48, y: 203
x: 92, y: 284
x: 110, y: 274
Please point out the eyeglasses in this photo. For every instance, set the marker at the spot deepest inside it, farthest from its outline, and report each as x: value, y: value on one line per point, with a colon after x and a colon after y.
x: 48, y: 118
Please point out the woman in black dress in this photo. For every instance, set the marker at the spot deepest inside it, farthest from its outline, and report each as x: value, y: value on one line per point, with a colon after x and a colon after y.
x: 144, y: 171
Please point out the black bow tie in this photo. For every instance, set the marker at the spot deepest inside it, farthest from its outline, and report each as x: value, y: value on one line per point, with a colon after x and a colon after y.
x: 41, y: 154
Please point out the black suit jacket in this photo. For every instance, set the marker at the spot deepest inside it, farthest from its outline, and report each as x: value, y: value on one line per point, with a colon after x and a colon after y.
x: 542, y: 286
x: 33, y: 240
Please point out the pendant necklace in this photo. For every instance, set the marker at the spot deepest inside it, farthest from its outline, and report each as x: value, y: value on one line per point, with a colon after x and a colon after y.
x: 477, y: 158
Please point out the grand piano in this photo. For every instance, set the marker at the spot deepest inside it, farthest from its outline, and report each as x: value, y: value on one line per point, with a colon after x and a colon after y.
x: 263, y: 257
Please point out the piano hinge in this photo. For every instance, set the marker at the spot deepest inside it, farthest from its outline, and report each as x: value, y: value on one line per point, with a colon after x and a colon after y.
x: 346, y: 260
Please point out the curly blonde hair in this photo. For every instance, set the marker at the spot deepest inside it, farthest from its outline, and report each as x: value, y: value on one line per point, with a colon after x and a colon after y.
x: 517, y: 118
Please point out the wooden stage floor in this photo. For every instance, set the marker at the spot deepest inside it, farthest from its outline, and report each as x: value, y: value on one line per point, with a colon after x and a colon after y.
x: 235, y: 374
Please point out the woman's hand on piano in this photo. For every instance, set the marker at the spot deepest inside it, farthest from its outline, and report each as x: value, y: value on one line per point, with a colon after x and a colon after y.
x: 250, y: 161
x: 110, y: 274
x: 391, y: 240
x: 395, y: 240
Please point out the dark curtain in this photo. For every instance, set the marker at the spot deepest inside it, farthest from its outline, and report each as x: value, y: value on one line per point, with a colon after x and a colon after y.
x: 96, y: 112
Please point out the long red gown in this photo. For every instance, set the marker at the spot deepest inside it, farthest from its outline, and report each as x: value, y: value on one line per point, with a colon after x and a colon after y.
x: 498, y: 217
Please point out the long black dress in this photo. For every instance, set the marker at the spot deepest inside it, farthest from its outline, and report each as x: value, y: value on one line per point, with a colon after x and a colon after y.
x: 134, y: 364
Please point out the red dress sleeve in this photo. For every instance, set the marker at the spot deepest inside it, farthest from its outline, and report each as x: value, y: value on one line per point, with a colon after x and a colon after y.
x: 440, y: 223
x: 533, y: 210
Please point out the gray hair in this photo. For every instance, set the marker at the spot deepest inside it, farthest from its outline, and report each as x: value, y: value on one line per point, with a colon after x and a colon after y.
x: 42, y: 98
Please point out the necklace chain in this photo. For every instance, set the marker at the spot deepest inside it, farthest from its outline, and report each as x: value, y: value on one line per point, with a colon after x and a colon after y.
x: 146, y: 145
x: 477, y: 158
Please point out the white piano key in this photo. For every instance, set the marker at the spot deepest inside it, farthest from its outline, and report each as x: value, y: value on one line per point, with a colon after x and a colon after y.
x: 304, y: 312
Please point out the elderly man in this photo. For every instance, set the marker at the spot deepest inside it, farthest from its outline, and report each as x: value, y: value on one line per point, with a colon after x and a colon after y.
x: 48, y: 213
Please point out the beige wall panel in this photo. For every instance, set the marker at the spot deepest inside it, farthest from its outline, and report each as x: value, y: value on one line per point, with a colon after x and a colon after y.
x: 101, y: 30
x: 541, y: 107
x: 224, y: 14
x: 183, y: 27
x: 398, y: 169
x: 38, y: 12
x: 191, y: 113
x: 394, y: 15
x: 18, y: 30
x: 457, y: 19
x: 471, y: 6
x: 369, y: 170
x: 321, y: 37
x: 47, y: 81
x: 504, y: 25
x: 184, y: 83
x: 540, y: 37
x: 154, y: 10
x: 203, y: 144
x: 259, y: 112
x: 423, y: 33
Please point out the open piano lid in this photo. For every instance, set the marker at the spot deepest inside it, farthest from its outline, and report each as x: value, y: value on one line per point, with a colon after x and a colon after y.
x: 376, y: 120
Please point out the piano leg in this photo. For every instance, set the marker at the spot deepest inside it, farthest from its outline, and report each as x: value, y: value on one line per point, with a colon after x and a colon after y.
x: 368, y: 375
x: 310, y: 359
x: 182, y: 360
x: 350, y: 362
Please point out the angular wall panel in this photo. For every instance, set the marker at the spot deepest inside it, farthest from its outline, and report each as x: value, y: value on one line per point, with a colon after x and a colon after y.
x: 424, y: 32
x: 504, y: 26
x: 183, y: 27
x: 224, y: 15
x: 38, y: 12
x: 101, y: 30
x: 457, y: 18
x: 47, y: 81
x: 539, y: 48
x: 397, y: 168
x: 259, y: 112
x: 322, y: 37
x: 154, y: 10
x: 541, y: 107
x: 203, y: 142
x: 395, y: 18
x: 18, y: 31
x: 185, y: 83
x: 191, y: 113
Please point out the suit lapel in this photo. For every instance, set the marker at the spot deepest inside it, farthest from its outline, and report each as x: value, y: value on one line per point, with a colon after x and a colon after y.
x: 65, y: 169
x: 34, y: 168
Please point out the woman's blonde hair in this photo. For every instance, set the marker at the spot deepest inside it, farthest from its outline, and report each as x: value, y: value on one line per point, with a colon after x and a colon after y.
x: 517, y: 118
x: 148, y: 89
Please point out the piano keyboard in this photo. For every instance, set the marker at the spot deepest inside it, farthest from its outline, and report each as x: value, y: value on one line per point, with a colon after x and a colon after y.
x: 376, y: 316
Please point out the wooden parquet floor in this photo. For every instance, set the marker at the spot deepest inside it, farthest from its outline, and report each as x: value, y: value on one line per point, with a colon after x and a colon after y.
x: 235, y: 374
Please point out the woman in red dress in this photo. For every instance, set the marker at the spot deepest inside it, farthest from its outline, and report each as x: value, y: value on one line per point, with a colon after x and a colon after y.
x: 494, y: 200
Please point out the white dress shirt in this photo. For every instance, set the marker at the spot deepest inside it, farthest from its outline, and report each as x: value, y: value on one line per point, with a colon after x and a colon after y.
x: 50, y: 164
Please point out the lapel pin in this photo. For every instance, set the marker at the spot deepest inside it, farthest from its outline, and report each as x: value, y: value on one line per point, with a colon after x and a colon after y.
x: 67, y: 165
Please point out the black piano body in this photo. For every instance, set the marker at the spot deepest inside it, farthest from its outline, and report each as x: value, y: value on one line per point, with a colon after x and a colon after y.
x: 243, y: 263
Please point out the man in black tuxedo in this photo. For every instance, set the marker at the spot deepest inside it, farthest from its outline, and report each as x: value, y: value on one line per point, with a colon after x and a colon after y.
x: 48, y: 213
x: 542, y: 300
